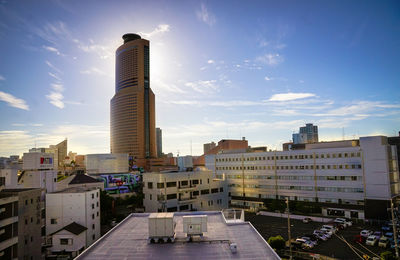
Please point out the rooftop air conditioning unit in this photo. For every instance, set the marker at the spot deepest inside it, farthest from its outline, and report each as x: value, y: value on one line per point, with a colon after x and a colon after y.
x: 194, y: 226
x: 161, y: 227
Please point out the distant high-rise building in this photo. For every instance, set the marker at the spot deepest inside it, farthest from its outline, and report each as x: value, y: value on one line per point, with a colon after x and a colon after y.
x: 207, y: 147
x: 307, y: 134
x: 132, y: 114
x: 159, y: 141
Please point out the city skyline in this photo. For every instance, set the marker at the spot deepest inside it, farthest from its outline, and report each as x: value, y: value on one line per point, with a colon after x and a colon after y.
x: 259, y: 71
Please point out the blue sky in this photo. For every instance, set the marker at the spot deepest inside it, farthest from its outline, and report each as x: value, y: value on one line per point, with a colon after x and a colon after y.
x: 219, y: 69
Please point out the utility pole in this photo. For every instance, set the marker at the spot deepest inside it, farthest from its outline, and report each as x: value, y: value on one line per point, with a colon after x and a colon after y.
x: 288, y: 223
x: 394, y: 229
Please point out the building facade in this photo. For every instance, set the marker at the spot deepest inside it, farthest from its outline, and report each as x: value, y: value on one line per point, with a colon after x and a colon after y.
x: 107, y: 163
x: 307, y: 134
x: 354, y: 178
x: 76, y: 204
x: 159, y: 142
x: 8, y: 223
x: 132, y: 114
x: 30, y: 206
x: 208, y: 146
x: 183, y: 191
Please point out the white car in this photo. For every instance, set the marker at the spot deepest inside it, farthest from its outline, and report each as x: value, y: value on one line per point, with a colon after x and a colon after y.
x: 327, y: 232
x: 330, y: 228
x: 344, y: 222
x: 366, y: 233
x: 321, y: 234
x: 371, y: 241
x: 305, y: 243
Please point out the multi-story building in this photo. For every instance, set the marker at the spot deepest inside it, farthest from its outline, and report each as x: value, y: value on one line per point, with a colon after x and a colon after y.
x: 208, y: 146
x: 183, y: 191
x: 132, y: 114
x: 307, y: 134
x: 8, y: 223
x: 59, y: 150
x: 159, y: 141
x: 76, y: 204
x: 38, y: 172
x: 355, y: 178
x: 107, y: 163
x: 30, y: 225
x: 129, y: 240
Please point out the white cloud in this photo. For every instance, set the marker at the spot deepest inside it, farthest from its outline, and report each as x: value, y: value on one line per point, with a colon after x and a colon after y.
x: 160, y: 29
x: 160, y: 85
x: 280, y: 46
x: 53, y: 49
x: 52, y: 66
x: 205, y: 16
x: 13, y: 101
x: 56, y: 97
x: 93, y: 70
x: 54, y: 76
x: 18, y: 124
x: 37, y: 125
x: 267, y: 78
x: 103, y: 51
x: 2, y: 77
x: 210, y: 61
x: 270, y: 59
x: 203, y: 86
x: 290, y: 96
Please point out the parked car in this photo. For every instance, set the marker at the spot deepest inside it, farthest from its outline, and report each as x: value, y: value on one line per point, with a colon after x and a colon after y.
x: 378, y: 234
x: 306, y: 244
x: 327, y: 231
x: 339, y: 226
x: 389, y: 235
x: 371, y: 240
x: 307, y: 220
x: 360, y: 239
x: 330, y: 228
x: 311, y: 239
x: 321, y: 234
x: 344, y: 222
x: 366, y: 233
x: 384, y: 242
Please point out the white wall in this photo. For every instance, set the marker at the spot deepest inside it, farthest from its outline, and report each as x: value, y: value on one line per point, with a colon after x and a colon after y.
x: 32, y: 161
x: 107, y: 163
x: 78, y: 241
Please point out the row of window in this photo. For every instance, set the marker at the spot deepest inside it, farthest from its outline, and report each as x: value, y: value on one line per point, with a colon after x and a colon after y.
x: 289, y: 167
x: 294, y: 177
x: 303, y: 188
x: 181, y: 184
x: 171, y: 196
x: 291, y: 157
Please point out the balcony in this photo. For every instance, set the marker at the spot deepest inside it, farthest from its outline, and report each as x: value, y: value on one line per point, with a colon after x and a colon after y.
x: 186, y: 187
x: 187, y: 200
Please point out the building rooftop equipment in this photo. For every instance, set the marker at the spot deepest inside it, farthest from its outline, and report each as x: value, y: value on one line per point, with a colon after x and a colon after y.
x: 223, y: 240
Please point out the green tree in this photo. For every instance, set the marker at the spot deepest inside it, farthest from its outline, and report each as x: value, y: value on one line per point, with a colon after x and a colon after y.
x: 106, y: 204
x: 277, y: 242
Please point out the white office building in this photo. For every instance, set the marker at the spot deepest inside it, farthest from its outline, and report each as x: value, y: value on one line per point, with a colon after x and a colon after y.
x: 107, y: 163
x: 77, y: 204
x: 354, y: 178
x: 184, y: 191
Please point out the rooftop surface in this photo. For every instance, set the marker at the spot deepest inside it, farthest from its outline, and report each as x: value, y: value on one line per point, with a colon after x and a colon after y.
x: 75, y: 190
x: 128, y: 240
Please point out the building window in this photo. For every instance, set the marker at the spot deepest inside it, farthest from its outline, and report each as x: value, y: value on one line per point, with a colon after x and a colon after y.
x: 63, y: 241
x: 160, y: 185
x: 171, y: 184
x: 93, y: 237
x: 26, y: 202
x: 221, y: 189
x: 53, y: 221
x: 151, y: 197
x: 97, y: 204
x: 92, y: 216
x: 92, y: 226
x: 203, y: 192
x: 215, y: 190
x: 97, y: 194
x: 171, y: 196
x: 26, y: 222
x: 195, y: 193
x: 31, y: 219
x: 149, y: 185
x: 31, y: 239
x: 97, y: 213
x: 92, y: 205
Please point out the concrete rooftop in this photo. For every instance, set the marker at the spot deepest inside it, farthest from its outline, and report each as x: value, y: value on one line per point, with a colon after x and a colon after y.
x: 128, y: 240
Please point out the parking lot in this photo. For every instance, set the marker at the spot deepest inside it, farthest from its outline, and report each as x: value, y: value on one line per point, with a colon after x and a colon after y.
x: 333, y: 247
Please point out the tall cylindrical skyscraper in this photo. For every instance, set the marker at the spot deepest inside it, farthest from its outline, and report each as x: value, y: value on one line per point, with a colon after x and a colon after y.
x: 132, y: 114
